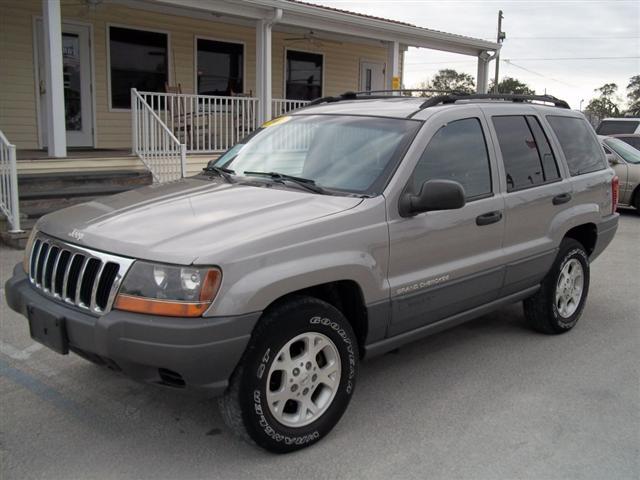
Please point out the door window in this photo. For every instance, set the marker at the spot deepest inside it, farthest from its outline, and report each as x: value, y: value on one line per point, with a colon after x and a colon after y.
x: 458, y: 151
x: 526, y: 153
x: 72, y: 80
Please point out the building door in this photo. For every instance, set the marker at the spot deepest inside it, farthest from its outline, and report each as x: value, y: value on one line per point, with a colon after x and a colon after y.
x: 371, y: 76
x: 76, y: 67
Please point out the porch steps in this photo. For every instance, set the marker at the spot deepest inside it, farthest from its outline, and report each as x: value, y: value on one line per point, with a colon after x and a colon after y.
x: 42, y: 193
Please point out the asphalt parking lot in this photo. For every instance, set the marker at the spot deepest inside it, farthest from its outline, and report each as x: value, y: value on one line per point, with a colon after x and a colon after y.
x: 487, y: 400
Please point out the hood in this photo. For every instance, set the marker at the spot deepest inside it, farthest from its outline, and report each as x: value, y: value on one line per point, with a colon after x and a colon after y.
x: 181, y: 221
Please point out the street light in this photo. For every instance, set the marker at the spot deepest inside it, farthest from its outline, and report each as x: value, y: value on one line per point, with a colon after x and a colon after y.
x: 581, y: 104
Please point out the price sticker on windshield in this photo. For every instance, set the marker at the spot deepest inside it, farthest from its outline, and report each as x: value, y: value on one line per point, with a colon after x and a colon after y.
x: 275, y: 121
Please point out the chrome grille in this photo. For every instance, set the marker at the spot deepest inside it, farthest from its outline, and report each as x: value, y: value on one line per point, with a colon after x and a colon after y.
x: 76, y: 275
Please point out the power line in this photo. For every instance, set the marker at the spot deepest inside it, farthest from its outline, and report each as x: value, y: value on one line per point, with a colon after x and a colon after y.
x: 527, y: 59
x: 509, y: 62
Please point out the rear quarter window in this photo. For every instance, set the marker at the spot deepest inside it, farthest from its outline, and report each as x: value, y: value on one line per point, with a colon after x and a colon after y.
x: 579, y: 144
x: 611, y: 127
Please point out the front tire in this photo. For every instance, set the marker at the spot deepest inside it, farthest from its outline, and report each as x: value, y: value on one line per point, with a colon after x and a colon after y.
x: 558, y: 305
x: 296, y: 377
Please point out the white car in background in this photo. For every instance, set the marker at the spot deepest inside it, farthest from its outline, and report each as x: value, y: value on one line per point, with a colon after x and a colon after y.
x: 612, y: 126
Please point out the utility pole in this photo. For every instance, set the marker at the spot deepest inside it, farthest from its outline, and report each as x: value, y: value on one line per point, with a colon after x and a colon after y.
x: 501, y: 37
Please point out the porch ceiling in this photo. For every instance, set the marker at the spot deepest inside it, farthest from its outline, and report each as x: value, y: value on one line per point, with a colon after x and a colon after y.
x: 319, y: 18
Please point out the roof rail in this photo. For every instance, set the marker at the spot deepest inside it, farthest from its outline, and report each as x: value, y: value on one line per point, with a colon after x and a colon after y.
x: 512, y: 97
x: 378, y: 94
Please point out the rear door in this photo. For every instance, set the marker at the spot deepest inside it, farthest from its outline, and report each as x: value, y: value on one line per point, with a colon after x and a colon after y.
x: 445, y: 262
x: 534, y: 191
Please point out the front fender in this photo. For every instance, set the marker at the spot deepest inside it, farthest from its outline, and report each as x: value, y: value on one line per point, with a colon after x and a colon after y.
x: 257, y: 290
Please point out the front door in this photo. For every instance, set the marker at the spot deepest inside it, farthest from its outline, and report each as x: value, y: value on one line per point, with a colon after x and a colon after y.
x: 76, y: 67
x: 445, y: 262
x: 371, y: 76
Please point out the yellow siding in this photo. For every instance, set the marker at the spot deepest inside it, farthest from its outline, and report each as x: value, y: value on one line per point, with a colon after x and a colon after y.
x: 18, y: 119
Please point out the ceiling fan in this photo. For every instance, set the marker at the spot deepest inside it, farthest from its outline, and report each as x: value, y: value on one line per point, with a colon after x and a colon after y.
x: 313, y: 39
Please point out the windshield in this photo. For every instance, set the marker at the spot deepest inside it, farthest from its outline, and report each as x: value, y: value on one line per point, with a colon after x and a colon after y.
x: 623, y: 149
x: 336, y: 152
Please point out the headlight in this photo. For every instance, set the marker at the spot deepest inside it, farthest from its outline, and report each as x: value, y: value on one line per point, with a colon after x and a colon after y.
x: 27, y: 250
x: 168, y: 290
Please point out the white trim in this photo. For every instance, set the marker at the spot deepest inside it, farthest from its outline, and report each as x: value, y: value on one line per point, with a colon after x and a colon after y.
x: 214, y: 39
x: 108, y: 26
x: 284, y: 67
x: 36, y: 70
x: 36, y: 73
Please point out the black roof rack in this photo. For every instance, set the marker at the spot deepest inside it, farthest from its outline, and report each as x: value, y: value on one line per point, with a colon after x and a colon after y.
x: 378, y: 94
x: 448, y: 97
x: 512, y: 97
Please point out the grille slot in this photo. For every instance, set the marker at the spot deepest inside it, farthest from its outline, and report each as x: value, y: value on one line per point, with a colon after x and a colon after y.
x: 85, y: 278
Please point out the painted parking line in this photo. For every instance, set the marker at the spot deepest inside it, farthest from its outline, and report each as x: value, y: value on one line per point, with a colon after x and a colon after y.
x: 47, y: 393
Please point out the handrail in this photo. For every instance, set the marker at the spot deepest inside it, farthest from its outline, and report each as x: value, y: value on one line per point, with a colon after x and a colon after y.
x: 154, y: 143
x: 9, y: 199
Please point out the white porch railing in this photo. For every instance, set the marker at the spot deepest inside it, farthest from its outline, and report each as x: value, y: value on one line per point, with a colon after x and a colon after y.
x: 154, y: 143
x: 280, y: 106
x: 211, y: 124
x: 204, y: 123
x: 9, y: 201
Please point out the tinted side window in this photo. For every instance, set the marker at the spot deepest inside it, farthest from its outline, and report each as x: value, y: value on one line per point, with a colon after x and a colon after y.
x: 579, y: 144
x: 610, y: 127
x: 527, y: 156
x: 457, y: 151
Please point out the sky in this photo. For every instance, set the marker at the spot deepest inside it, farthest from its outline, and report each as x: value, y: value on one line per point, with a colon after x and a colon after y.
x: 566, y: 48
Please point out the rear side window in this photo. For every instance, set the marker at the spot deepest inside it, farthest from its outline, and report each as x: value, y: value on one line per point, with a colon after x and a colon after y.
x: 458, y: 152
x: 528, y: 159
x: 611, y: 127
x: 579, y: 144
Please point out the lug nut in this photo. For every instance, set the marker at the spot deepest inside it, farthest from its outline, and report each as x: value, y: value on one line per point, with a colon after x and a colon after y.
x: 294, y: 387
x: 305, y: 391
x: 296, y: 372
x: 314, y: 377
x: 308, y: 365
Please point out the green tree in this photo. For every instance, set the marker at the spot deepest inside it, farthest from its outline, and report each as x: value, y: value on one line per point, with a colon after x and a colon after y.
x: 633, y: 96
x: 512, y: 85
x: 606, y: 104
x: 448, y: 80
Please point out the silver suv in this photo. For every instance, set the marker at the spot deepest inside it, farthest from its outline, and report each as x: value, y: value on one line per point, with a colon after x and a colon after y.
x: 341, y: 231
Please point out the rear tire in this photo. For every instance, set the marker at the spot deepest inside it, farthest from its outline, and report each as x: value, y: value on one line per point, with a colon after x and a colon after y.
x: 558, y: 304
x: 296, y: 377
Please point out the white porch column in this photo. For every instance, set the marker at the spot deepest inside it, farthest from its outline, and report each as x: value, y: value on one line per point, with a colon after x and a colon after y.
x: 482, y: 78
x: 393, y: 63
x: 56, y: 128
x: 264, y: 28
x: 263, y: 70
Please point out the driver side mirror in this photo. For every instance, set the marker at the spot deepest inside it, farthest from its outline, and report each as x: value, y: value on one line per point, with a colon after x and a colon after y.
x: 612, y: 159
x: 434, y: 195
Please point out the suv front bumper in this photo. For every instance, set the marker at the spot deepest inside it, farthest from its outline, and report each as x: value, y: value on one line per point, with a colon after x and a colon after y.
x: 194, y: 353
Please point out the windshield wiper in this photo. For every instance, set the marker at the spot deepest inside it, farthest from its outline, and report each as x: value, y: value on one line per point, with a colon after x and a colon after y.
x: 303, y: 182
x: 222, y: 172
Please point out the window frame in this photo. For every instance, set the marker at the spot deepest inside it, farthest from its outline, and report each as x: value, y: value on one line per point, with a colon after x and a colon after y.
x: 108, y: 42
x: 485, y: 135
x: 284, y: 71
x: 221, y: 40
x: 549, y: 142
